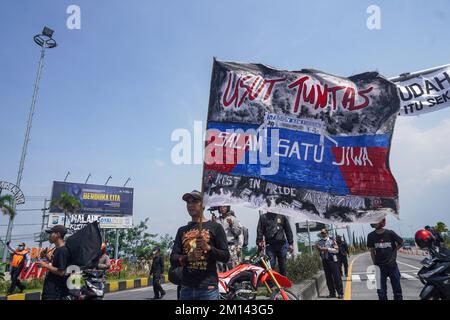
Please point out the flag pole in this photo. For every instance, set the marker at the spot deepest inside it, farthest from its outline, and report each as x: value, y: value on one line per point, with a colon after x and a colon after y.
x: 408, y: 75
x: 202, y: 190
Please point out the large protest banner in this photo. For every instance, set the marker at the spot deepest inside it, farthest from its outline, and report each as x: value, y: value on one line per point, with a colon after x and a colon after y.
x: 424, y: 91
x: 301, y: 143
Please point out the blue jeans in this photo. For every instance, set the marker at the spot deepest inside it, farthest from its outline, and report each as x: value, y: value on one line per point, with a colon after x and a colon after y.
x: 192, y: 293
x: 394, y: 275
x: 277, y: 252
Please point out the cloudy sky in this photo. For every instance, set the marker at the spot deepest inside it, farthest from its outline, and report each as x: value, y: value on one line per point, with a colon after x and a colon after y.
x: 113, y: 92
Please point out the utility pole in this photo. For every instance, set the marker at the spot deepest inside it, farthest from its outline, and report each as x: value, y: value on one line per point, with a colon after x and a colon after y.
x: 45, y: 41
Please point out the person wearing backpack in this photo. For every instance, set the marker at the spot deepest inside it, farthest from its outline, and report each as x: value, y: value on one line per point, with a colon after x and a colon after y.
x: 275, y: 229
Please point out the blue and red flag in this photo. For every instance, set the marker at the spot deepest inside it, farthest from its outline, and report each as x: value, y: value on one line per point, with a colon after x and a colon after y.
x: 301, y: 143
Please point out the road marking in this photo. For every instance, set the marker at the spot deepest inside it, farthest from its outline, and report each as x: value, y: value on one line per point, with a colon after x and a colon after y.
x: 348, y: 285
x: 356, y: 278
x: 408, y: 265
x: 371, y: 277
x: 407, y: 276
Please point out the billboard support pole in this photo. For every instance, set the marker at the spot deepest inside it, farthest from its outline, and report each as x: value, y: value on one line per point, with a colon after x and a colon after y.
x: 43, y: 221
x: 116, y: 247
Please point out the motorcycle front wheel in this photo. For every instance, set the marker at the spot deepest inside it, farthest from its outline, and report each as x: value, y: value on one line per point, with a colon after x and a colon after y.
x: 276, y: 295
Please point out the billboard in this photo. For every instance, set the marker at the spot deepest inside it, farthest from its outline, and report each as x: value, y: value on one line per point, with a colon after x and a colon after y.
x: 79, y: 221
x: 96, y: 199
x: 306, y: 143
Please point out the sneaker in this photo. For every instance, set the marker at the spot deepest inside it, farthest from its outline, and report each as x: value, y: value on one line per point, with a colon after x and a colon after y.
x: 331, y: 296
x: 340, y: 296
x: 155, y: 298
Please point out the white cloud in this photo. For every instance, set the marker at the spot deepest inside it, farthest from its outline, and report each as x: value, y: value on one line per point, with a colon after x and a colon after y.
x: 439, y: 175
x: 421, y: 156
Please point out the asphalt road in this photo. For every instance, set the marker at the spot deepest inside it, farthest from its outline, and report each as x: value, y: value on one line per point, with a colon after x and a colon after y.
x: 361, y: 284
x: 145, y: 293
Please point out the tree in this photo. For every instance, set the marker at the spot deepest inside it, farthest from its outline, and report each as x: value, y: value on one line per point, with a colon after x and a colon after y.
x: 6, y: 205
x: 440, y: 227
x: 135, y: 241
x: 67, y: 204
x: 165, y: 243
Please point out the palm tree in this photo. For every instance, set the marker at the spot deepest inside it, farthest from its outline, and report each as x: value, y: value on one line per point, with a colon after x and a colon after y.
x: 67, y: 204
x: 6, y: 205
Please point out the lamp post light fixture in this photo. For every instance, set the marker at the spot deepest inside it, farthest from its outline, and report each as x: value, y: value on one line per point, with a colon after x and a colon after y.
x: 45, y: 41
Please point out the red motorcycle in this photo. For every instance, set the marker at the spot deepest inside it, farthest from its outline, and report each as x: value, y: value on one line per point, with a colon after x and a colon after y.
x: 243, y: 281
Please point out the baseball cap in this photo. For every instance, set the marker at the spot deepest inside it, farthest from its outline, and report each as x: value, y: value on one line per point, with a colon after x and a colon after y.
x: 194, y: 194
x: 58, y: 229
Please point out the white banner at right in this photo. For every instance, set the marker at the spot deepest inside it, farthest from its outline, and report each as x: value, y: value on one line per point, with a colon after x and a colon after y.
x: 425, y: 92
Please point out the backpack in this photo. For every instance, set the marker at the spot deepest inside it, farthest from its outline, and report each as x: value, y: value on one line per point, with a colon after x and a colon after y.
x: 175, y: 274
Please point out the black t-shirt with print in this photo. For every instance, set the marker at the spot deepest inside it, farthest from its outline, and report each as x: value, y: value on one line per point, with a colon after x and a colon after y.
x: 385, y: 245
x: 55, y: 287
x: 201, y: 273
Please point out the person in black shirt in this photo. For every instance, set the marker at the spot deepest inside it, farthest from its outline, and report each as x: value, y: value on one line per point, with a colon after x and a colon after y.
x: 157, y: 270
x: 55, y: 283
x: 342, y: 255
x: 384, y: 245
x: 275, y: 228
x: 198, y: 247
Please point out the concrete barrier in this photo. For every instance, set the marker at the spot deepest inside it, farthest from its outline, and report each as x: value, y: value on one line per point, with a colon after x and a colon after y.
x: 310, y: 289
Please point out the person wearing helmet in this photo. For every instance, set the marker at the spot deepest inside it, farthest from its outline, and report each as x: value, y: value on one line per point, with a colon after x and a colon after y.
x: 383, y: 245
x: 104, y: 263
x: 20, y: 260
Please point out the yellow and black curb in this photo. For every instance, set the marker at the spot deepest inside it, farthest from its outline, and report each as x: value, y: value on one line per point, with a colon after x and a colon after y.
x: 112, y: 286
